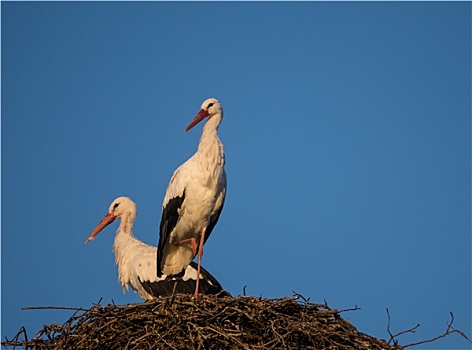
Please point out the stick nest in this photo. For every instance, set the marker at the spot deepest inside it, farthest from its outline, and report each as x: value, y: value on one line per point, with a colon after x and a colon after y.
x: 204, y: 322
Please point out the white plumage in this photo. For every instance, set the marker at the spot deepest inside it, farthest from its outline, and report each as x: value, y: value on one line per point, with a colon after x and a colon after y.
x: 194, y: 197
x: 137, y: 261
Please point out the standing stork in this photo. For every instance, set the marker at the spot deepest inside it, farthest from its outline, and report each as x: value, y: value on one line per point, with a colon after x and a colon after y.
x: 137, y: 261
x: 194, y: 198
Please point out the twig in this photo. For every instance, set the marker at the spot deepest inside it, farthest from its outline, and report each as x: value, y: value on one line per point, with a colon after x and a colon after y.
x: 355, y: 308
x: 393, y: 336
x: 171, y: 299
x: 449, y: 330
x: 53, y: 308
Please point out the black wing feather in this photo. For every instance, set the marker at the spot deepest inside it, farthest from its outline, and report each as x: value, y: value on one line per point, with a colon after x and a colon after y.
x: 170, y: 216
x: 212, y: 223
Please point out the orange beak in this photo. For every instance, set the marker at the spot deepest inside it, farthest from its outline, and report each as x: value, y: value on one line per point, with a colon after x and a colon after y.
x: 107, y: 220
x: 198, y: 118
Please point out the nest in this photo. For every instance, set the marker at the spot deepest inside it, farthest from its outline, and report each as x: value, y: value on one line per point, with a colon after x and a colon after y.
x: 204, y: 322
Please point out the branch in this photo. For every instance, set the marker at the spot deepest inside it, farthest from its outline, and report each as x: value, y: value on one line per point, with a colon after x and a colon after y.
x: 449, y: 330
x: 61, y: 307
x: 393, y: 336
x: 355, y: 308
x: 299, y: 296
x: 53, y: 308
x: 16, y: 338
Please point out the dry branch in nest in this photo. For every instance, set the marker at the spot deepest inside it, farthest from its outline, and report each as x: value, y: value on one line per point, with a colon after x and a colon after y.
x: 204, y: 322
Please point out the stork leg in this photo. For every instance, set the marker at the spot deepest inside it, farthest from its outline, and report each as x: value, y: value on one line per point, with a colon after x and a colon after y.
x: 200, y: 254
x: 192, y: 241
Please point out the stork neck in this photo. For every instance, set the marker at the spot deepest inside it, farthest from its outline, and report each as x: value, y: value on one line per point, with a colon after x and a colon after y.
x: 126, y: 225
x: 123, y: 244
x: 123, y: 247
x: 210, y: 149
x: 210, y: 131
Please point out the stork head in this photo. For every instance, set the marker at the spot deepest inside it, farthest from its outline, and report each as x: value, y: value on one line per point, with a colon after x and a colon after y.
x: 120, y: 208
x: 209, y: 108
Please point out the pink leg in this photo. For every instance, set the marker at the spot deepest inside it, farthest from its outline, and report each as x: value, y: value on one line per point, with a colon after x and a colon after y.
x: 200, y: 254
x: 193, y: 241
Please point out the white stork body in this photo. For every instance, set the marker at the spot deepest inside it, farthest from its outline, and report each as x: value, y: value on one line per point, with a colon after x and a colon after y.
x: 137, y: 261
x: 194, y: 197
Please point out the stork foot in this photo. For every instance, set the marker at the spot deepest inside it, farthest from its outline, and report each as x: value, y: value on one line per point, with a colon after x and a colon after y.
x: 192, y: 241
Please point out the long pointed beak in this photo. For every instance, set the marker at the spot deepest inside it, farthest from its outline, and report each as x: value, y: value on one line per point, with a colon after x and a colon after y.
x: 199, y: 117
x: 107, y: 220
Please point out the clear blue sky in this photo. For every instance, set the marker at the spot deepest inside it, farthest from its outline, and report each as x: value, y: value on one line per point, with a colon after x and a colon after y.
x: 346, y: 130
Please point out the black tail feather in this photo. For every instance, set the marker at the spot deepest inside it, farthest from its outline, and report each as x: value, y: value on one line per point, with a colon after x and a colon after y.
x: 208, y: 284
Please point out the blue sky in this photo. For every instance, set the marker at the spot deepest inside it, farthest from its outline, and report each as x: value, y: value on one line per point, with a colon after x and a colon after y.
x: 346, y: 131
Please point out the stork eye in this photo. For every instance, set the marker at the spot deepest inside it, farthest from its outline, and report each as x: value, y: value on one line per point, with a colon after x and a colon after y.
x: 116, y: 205
x: 211, y: 104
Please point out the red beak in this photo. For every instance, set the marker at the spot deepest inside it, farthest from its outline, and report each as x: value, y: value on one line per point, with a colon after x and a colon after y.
x: 107, y: 220
x: 200, y: 116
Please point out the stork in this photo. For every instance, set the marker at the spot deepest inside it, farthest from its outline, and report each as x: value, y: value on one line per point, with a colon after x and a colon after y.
x: 137, y: 261
x: 194, y: 198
